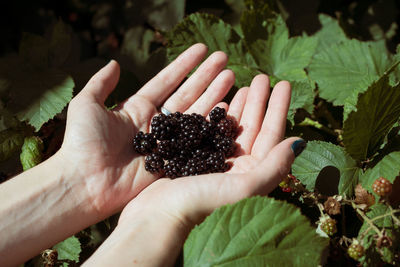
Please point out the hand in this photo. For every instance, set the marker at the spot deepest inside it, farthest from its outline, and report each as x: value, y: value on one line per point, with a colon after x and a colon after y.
x: 260, y: 164
x: 169, y: 209
x: 98, y: 142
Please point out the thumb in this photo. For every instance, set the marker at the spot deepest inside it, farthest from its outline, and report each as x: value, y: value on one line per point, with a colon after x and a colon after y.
x: 277, y: 164
x: 103, y: 82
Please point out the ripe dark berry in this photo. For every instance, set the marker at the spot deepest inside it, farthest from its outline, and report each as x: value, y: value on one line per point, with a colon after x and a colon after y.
x: 355, y: 250
x: 382, y: 187
x: 328, y: 225
x: 217, y: 114
x: 144, y: 143
x: 154, y: 163
x: 227, y: 127
x: 162, y: 126
x: 225, y: 144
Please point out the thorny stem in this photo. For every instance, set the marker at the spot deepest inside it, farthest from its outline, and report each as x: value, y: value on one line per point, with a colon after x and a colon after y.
x: 364, y: 233
x: 392, y: 212
x: 368, y: 220
x: 321, y: 208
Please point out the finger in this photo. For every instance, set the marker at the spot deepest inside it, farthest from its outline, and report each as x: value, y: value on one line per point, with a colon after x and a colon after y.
x: 253, y: 112
x: 274, y: 124
x: 190, y: 91
x: 164, y: 83
x: 217, y: 90
x: 103, y: 82
x: 237, y: 104
x: 276, y: 164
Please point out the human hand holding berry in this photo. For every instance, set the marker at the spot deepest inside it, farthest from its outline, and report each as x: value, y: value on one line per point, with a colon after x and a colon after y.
x: 96, y: 171
x: 169, y: 208
x: 100, y: 140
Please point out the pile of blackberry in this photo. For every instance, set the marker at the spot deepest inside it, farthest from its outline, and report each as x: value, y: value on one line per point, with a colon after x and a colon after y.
x: 187, y: 144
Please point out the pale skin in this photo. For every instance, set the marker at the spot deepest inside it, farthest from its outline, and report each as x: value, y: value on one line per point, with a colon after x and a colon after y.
x: 96, y: 173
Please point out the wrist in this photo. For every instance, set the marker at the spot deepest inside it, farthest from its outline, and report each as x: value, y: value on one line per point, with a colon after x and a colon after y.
x: 82, y: 186
x: 146, y: 238
x: 48, y: 207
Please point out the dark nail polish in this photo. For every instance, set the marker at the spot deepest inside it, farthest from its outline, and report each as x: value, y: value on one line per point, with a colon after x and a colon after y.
x: 298, y: 146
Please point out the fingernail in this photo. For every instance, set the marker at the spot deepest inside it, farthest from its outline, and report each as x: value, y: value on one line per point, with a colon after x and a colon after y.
x: 298, y: 146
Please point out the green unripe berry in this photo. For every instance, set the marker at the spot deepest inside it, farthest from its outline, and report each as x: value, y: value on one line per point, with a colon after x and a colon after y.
x: 355, y: 250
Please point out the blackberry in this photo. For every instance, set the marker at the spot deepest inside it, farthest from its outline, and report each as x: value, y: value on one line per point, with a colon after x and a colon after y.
x: 190, y: 137
x: 162, y: 126
x: 225, y: 144
x: 207, y: 129
x: 355, y: 250
x: 216, y: 162
x: 227, y: 127
x: 173, y: 168
x: 144, y: 143
x: 167, y: 148
x: 201, y: 153
x: 154, y: 163
x: 328, y: 225
x: 382, y: 186
x: 217, y: 114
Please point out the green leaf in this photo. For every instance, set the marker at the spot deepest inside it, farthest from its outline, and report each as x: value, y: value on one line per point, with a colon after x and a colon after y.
x: 380, y: 209
x: 61, y: 45
x: 7, y: 120
x: 164, y: 14
x: 11, y: 141
x: 233, y: 17
x: 275, y: 53
x: 136, y: 44
x: 31, y: 152
x: 218, y: 36
x: 388, y: 167
x: 82, y: 72
x: 377, y: 110
x: 136, y: 48
x: 348, y: 66
x: 34, y: 50
x: 245, y: 234
x: 330, y: 32
x: 38, y: 96
x: 69, y: 249
x: 319, y: 155
x: 302, y: 97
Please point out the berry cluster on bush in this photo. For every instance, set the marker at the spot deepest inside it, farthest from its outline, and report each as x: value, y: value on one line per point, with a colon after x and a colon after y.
x: 187, y: 144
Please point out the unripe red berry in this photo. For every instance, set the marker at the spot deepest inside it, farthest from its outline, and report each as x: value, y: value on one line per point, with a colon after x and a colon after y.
x: 382, y: 186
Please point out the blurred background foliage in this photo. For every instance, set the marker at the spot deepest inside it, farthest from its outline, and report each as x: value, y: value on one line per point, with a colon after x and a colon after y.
x: 132, y: 31
x: 46, y: 43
